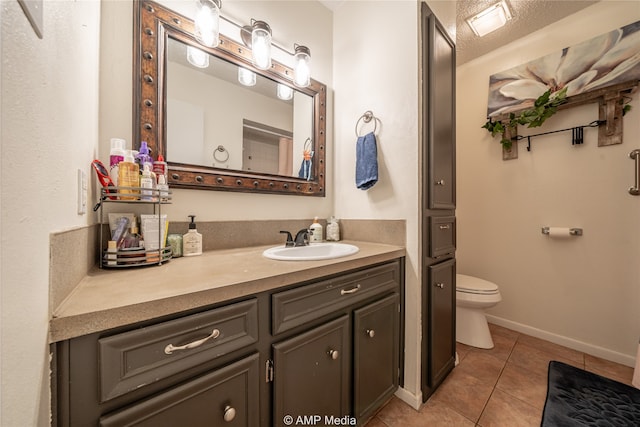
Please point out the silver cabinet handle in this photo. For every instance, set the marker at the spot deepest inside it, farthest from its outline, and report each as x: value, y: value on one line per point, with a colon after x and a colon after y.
x: 635, y: 155
x: 440, y: 182
x: 445, y: 227
x: 350, y: 291
x: 439, y: 285
x: 229, y: 413
x: 371, y: 333
x: 334, y: 354
x: 171, y: 348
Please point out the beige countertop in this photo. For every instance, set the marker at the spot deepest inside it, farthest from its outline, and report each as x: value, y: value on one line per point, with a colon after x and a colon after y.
x: 107, y: 299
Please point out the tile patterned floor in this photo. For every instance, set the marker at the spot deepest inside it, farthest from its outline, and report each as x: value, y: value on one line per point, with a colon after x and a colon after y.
x: 502, y: 387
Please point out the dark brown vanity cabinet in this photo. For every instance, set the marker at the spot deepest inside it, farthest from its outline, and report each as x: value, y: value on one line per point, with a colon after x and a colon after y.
x: 439, y: 202
x: 326, y: 347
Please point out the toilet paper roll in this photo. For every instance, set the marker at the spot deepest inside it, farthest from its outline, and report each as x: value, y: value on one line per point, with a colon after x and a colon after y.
x: 559, y: 232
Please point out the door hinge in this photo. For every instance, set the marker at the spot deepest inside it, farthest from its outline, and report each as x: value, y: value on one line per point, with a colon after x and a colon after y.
x: 269, y: 371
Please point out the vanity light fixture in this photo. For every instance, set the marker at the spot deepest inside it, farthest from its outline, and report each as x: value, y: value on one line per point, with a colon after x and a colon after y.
x: 207, y: 22
x: 490, y: 19
x: 261, y: 44
x: 302, y: 66
x: 246, y: 77
x: 284, y: 92
x: 197, y: 57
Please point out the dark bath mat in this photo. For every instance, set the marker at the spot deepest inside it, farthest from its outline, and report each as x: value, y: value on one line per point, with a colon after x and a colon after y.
x: 577, y: 398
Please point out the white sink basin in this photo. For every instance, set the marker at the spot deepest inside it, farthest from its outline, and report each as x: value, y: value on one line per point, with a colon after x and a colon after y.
x: 313, y: 252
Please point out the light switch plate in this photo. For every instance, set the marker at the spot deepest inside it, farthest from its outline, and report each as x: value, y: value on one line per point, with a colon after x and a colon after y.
x: 82, y: 192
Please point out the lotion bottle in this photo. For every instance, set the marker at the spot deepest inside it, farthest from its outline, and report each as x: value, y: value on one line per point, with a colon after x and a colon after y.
x: 316, y: 231
x: 128, y: 176
x: 146, y: 183
x: 192, y: 240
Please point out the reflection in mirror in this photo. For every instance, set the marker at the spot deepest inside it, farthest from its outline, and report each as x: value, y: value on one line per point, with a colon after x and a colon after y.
x: 264, y: 135
x: 259, y: 127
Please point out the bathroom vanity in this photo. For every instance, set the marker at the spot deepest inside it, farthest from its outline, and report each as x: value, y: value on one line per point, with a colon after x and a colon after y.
x: 239, y: 340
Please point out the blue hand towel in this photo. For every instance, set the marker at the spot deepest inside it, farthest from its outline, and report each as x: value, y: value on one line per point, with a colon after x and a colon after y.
x: 366, y: 161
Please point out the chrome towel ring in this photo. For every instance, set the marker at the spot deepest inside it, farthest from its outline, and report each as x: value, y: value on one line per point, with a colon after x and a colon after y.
x: 367, y: 117
x: 221, y: 154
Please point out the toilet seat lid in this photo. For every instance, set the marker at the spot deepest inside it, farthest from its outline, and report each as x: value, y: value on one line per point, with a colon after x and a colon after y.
x: 475, y: 285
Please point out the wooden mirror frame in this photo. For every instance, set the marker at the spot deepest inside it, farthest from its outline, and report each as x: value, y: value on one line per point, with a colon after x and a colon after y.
x: 153, y: 23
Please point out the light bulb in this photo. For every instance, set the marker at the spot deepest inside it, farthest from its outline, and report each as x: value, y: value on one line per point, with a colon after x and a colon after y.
x: 197, y: 57
x: 284, y: 92
x: 246, y: 77
x: 207, y: 23
x: 261, y: 45
x: 302, y: 66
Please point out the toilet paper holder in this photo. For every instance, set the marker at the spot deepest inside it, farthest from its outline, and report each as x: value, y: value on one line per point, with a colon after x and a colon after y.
x: 572, y: 231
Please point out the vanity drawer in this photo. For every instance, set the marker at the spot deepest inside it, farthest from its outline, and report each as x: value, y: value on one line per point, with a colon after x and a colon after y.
x: 442, y: 235
x: 143, y: 356
x: 298, y: 306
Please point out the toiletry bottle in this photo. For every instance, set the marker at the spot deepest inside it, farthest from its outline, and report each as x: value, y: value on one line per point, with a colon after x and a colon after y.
x: 143, y: 155
x: 333, y: 229
x: 175, y: 241
x: 128, y: 176
x: 316, y: 231
x: 116, y: 155
x: 160, y: 168
x: 146, y: 184
x: 163, y: 188
x: 192, y: 240
x: 112, y: 253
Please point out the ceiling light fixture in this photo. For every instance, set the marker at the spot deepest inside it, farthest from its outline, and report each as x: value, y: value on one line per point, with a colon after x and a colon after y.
x: 490, y: 19
x: 197, y: 57
x: 207, y: 22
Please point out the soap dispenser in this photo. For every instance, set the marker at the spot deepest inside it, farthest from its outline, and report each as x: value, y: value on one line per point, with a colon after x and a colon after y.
x: 192, y: 240
x: 316, y: 231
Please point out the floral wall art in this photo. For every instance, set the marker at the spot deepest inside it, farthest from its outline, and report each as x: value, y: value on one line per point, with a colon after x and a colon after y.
x: 608, y: 59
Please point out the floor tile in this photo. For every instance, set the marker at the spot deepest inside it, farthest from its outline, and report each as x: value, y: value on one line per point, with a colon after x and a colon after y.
x: 536, y: 360
x: 463, y: 393
x: 530, y: 387
x: 435, y: 415
x: 502, y: 331
x: 505, y: 410
x: 502, y: 347
x: 552, y: 348
x: 375, y: 422
x: 482, y: 366
x: 462, y: 350
x: 397, y: 414
x: 612, y: 370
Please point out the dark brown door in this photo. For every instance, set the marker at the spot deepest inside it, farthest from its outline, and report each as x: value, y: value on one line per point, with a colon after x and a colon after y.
x: 312, y: 373
x: 375, y: 340
x: 442, y: 318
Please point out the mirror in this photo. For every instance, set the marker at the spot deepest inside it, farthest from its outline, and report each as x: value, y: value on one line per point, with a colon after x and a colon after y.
x: 214, y: 132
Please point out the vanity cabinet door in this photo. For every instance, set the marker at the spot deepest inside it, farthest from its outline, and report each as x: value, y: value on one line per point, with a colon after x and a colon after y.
x: 225, y: 397
x: 312, y: 373
x: 442, y: 318
x: 376, y: 341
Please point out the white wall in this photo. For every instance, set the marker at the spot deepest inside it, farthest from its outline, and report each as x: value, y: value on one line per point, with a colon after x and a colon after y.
x: 49, y: 109
x: 377, y: 68
x: 583, y: 292
x: 304, y: 22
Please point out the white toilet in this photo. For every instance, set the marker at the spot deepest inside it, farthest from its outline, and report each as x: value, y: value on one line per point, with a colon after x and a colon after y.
x: 473, y: 296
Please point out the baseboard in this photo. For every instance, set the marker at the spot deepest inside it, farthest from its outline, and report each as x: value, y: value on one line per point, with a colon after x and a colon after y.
x: 415, y: 401
x: 594, y: 350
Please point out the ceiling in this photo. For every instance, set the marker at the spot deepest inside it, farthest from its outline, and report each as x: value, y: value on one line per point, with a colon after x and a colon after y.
x: 528, y: 16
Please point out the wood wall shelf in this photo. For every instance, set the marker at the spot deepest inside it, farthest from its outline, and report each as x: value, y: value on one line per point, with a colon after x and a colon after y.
x: 610, y: 100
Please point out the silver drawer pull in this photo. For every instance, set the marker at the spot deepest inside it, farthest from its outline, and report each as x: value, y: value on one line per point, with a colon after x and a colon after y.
x: 445, y: 227
x: 229, y: 413
x: 334, y: 354
x: 350, y: 291
x: 439, y: 285
x: 371, y: 333
x: 171, y: 348
x: 440, y: 182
